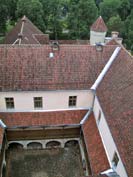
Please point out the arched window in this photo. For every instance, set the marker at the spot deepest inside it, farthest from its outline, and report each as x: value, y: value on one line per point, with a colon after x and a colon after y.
x: 34, y: 145
x: 53, y: 144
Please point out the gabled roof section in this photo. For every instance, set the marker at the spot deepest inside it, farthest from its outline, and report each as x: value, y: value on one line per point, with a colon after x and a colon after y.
x: 115, y: 94
x: 31, y: 119
x: 99, y: 25
x: 25, y: 32
x: 31, y: 68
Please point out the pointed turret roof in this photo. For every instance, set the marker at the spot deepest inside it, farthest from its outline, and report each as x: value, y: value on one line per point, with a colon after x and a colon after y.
x: 25, y: 32
x: 99, y: 25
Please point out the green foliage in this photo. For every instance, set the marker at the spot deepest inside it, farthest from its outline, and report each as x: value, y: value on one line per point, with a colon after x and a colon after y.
x: 115, y: 24
x: 33, y: 9
x: 82, y: 14
x: 109, y: 8
x: 131, y: 3
x: 124, y: 9
x: 70, y: 19
x: 129, y: 25
x: 3, y: 16
x: 12, y: 7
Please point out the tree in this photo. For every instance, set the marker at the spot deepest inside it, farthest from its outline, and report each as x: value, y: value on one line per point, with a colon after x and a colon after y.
x: 52, y: 16
x: 33, y: 9
x: 98, y: 2
x: 73, y: 19
x: 109, y: 8
x: 12, y: 7
x: 131, y: 3
x: 82, y: 14
x: 124, y: 9
x: 3, y: 16
x: 129, y: 37
x: 115, y: 24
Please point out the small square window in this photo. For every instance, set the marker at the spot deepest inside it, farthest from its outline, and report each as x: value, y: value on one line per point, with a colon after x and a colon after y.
x: 9, y: 103
x: 37, y: 102
x: 115, y: 160
x: 72, y: 100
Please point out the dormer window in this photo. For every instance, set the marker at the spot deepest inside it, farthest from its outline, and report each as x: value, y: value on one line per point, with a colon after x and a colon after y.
x: 99, y: 47
x: 55, y: 45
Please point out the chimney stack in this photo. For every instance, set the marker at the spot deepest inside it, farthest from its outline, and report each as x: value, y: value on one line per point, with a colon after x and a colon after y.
x: 115, y: 34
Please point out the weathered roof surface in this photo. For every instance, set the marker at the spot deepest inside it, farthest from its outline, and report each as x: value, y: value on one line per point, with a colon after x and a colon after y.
x: 112, y: 42
x: 42, y: 118
x: 1, y: 135
x: 28, y: 31
x: 31, y: 68
x: 95, y: 149
x: 99, y: 25
x: 116, y: 98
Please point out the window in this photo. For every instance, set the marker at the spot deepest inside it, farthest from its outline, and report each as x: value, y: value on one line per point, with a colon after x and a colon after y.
x: 37, y: 102
x: 9, y: 103
x: 72, y: 100
x: 99, y: 117
x: 115, y: 160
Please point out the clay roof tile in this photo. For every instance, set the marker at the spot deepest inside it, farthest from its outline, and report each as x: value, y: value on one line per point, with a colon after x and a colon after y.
x: 99, y: 25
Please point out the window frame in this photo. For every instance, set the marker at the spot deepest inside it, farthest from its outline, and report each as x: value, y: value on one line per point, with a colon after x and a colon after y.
x: 38, y: 104
x: 9, y: 101
x: 72, y: 102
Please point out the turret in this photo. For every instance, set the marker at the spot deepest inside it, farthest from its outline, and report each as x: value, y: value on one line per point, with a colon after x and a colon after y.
x: 98, y: 31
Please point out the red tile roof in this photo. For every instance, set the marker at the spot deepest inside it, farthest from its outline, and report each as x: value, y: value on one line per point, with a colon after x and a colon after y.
x: 42, y: 118
x: 30, y: 68
x: 112, y: 42
x: 30, y: 33
x: 95, y: 149
x: 115, y: 94
x: 99, y: 25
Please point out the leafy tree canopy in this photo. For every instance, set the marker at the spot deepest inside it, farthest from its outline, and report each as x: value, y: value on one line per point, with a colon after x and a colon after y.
x: 33, y: 9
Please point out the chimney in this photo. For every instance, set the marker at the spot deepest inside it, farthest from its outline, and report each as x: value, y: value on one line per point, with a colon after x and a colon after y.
x: 114, y: 34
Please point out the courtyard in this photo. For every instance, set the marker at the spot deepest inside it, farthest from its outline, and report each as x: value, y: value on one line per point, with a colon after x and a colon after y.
x: 49, y: 162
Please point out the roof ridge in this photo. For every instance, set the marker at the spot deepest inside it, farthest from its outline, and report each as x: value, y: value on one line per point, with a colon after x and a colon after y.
x: 106, y: 68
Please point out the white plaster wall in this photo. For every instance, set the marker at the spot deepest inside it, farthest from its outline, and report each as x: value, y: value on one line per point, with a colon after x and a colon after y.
x: 107, y: 139
x: 51, y: 100
x: 97, y: 37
